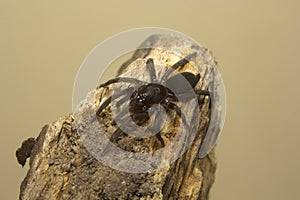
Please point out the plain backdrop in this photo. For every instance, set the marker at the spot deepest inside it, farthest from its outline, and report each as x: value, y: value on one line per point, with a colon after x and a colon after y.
x: 256, y: 44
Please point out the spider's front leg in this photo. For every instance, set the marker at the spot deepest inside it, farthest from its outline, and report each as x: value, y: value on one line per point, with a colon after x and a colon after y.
x: 150, y: 67
x: 177, y: 65
x: 115, y: 96
x: 122, y: 80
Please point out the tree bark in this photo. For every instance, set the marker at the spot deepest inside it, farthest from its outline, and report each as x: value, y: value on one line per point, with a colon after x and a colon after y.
x: 62, y: 167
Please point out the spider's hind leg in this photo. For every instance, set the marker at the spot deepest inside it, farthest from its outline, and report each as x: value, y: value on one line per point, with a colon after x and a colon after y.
x: 202, y: 92
x: 160, y: 139
x: 174, y: 107
x: 112, y: 141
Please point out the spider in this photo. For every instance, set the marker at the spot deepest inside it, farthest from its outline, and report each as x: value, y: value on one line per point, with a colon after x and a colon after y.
x: 156, y: 92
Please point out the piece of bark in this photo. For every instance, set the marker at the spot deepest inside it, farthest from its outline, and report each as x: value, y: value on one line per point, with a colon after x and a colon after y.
x: 24, y: 151
x: 61, y: 167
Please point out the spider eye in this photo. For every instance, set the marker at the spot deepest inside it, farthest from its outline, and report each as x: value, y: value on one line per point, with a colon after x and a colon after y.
x: 156, y: 90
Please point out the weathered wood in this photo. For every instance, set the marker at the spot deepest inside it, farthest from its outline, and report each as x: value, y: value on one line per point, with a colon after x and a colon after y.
x: 61, y: 167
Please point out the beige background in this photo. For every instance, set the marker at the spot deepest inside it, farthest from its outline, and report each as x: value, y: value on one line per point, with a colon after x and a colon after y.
x: 255, y: 42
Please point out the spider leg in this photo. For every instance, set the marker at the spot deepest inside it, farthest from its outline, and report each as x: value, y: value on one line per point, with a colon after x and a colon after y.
x: 174, y: 107
x: 186, y: 96
x: 122, y: 79
x: 183, y: 61
x: 159, y: 120
x: 116, y: 134
x: 109, y: 99
x: 180, y: 63
x: 202, y: 92
x: 189, y: 95
x: 114, y: 137
x: 124, y: 99
x: 150, y: 66
x: 160, y: 139
x: 205, y: 93
x: 119, y: 116
x: 123, y: 111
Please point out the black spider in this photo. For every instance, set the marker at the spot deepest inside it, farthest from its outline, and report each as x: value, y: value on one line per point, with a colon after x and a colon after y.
x: 156, y: 92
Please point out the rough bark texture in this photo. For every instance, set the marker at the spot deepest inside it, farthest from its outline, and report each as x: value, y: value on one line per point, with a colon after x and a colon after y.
x: 61, y: 167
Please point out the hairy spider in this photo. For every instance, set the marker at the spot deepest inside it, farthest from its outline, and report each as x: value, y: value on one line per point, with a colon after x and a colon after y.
x: 153, y: 93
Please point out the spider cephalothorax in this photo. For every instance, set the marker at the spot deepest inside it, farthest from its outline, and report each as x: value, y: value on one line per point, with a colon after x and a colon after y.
x: 162, y: 92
